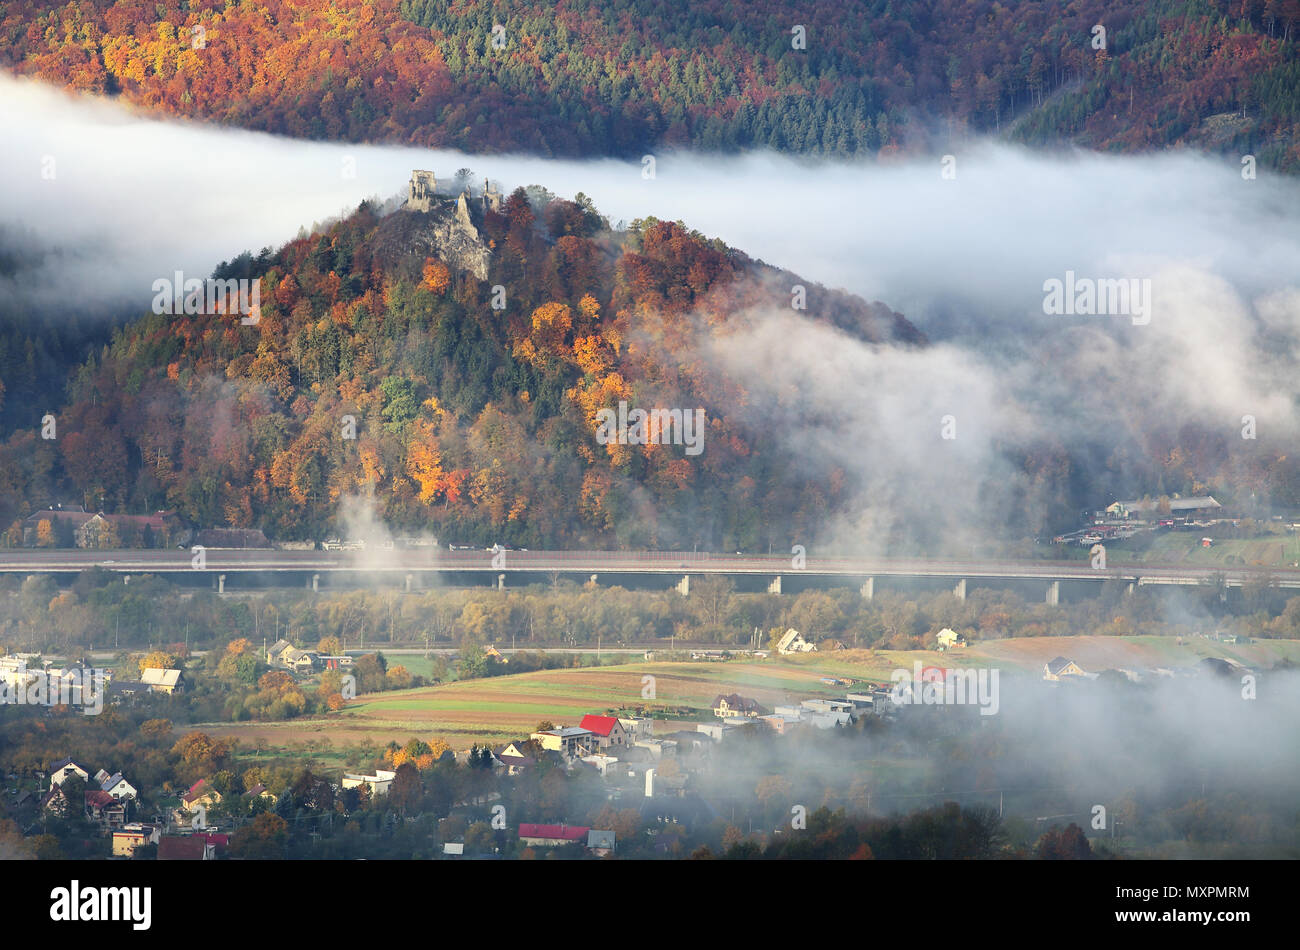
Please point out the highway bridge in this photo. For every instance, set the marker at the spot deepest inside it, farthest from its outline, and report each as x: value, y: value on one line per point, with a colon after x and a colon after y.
x: 416, y: 568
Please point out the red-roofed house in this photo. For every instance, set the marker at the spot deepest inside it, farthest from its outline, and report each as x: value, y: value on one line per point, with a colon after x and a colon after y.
x: 552, y: 834
x: 105, y: 809
x: 609, y: 731
x: 200, y: 793
x: 220, y: 841
x: 185, y: 848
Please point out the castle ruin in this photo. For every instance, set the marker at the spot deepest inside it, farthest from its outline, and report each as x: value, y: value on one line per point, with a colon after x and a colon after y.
x: 491, y: 197
x: 421, y: 194
x: 422, y: 191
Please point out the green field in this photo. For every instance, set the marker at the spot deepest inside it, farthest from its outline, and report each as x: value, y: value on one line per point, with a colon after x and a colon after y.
x: 501, y: 708
x: 1184, y: 547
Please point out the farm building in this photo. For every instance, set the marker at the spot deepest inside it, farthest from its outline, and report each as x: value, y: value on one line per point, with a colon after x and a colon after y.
x: 1060, y: 666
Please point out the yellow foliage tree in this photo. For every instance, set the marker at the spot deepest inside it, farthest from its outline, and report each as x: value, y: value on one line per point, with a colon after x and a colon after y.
x: 157, y: 660
x: 437, y: 277
x: 551, y: 324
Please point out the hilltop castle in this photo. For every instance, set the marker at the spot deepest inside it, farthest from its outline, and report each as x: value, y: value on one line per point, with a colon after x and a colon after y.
x: 422, y: 192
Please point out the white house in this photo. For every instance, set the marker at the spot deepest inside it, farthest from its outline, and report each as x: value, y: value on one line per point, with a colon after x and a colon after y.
x: 656, y: 747
x: 569, y: 741
x: 163, y: 681
x: 119, y: 787
x: 949, y: 638
x: 379, y: 782
x: 62, y: 769
x: 638, y: 727
x: 793, y: 642
x: 823, y: 706
x: 603, y: 763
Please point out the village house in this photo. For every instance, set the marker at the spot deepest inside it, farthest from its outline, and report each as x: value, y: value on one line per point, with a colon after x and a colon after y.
x: 732, y: 705
x: 200, y: 795
x: 124, y: 692
x: 569, y: 741
x: 65, y: 767
x: 186, y: 848
x: 131, y: 836
x: 60, y: 526
x: 104, y: 809
x: 259, y: 791
x: 14, y: 672
x: 1060, y: 666
x: 378, y: 783
x: 793, y: 642
x: 219, y: 840
x: 608, y: 730
x: 514, y: 758
x: 163, y: 681
x: 55, y: 801
x: 950, y: 638
x: 128, y: 531
x: 656, y: 748
x: 780, y: 724
x: 68, y: 525
x: 825, y: 707
x: 637, y: 727
x: 284, y: 654
x: 116, y: 785
x: 603, y: 764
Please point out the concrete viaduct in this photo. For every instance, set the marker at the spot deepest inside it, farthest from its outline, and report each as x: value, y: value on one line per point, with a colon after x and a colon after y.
x: 415, y: 568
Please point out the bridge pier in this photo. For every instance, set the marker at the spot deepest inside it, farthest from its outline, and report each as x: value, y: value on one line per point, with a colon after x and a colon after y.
x: 1132, y: 586
x: 1054, y: 594
x: 501, y: 582
x: 960, y: 590
x: 684, y: 585
x: 409, y: 579
x: 775, y: 586
x: 315, y: 583
x: 221, y: 583
x: 869, y: 589
x: 126, y: 579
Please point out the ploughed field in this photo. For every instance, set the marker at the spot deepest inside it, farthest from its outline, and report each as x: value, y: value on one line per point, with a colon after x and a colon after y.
x: 497, y: 709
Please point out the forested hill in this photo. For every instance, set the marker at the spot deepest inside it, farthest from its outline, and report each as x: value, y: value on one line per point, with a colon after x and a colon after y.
x: 618, y: 77
x: 473, y: 422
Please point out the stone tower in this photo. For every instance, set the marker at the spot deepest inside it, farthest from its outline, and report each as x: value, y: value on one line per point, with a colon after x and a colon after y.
x: 491, y: 197
x: 421, y: 192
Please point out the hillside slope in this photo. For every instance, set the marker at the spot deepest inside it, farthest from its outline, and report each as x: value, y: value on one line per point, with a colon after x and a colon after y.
x: 580, y: 78
x: 446, y: 371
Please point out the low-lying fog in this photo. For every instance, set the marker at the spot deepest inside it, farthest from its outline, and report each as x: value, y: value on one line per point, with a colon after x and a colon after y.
x: 99, y: 201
